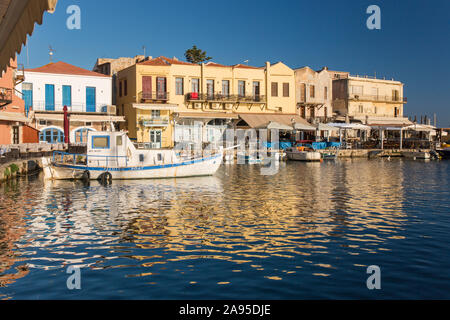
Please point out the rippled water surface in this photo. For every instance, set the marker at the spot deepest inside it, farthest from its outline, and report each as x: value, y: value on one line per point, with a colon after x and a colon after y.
x: 309, y: 231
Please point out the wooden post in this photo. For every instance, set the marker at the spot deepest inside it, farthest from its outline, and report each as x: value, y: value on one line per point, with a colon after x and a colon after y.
x: 401, y: 139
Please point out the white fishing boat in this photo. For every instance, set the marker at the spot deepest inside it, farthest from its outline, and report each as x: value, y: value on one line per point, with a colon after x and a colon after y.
x: 416, y: 155
x: 112, y: 156
x: 302, y: 154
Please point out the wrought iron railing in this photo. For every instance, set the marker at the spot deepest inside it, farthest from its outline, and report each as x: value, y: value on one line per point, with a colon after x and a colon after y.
x: 220, y: 97
x: 75, y: 107
x: 379, y: 98
x: 153, y: 96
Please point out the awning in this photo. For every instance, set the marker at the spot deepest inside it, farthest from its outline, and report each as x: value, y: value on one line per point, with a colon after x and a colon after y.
x: 256, y: 120
x: 421, y: 127
x: 151, y: 106
x: 304, y: 127
x: 350, y: 126
x: 384, y: 121
x: 79, y: 117
x: 207, y: 115
x: 325, y: 127
x: 13, y: 116
x: 17, y: 19
x: 275, y: 125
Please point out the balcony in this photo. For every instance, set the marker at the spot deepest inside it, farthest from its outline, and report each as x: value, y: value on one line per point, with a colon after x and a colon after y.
x: 5, y: 96
x: 74, y: 108
x: 377, y: 98
x: 153, y: 96
x: 154, y: 122
x: 219, y: 97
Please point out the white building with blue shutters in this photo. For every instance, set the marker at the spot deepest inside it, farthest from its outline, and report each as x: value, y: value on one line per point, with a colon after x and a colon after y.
x: 87, y: 95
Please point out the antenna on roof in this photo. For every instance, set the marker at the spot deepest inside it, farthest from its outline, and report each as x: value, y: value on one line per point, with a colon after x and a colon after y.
x: 143, y: 47
x: 51, y: 52
x: 246, y: 61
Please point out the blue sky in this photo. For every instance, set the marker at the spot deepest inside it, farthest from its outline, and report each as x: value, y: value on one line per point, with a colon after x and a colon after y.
x: 412, y: 46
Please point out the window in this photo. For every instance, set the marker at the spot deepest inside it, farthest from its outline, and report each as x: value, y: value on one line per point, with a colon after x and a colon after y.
x: 179, y: 86
x: 302, y: 92
x: 49, y: 97
x: 27, y: 91
x: 119, y: 141
x: 195, y: 85
x: 156, y: 114
x: 81, y: 135
x: 256, y: 90
x: 312, y: 91
x: 325, y: 93
x: 274, y: 89
x: 210, y: 88
x: 42, y: 122
x: 241, y: 88
x: 120, y: 88
x: 125, y: 88
x: 91, y: 99
x: 67, y: 96
x: 16, y: 139
x: 285, y: 89
x: 226, y: 87
x: 51, y: 135
x: 395, y: 95
x: 361, y: 109
x: 357, y: 90
x: 100, y: 142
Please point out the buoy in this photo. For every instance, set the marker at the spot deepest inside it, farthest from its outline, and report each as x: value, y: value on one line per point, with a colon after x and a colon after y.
x: 105, y: 178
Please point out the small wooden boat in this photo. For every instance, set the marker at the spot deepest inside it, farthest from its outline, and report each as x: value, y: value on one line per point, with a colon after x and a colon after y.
x: 303, y: 154
x: 112, y: 155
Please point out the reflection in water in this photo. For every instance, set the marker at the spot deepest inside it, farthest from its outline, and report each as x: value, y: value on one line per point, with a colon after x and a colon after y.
x: 238, y: 227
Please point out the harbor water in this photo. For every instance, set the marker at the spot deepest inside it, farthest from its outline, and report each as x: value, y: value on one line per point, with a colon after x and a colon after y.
x: 308, y: 232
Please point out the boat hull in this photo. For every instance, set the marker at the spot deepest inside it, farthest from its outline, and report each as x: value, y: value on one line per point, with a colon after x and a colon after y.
x: 304, y: 156
x: 197, y: 167
x: 416, y: 155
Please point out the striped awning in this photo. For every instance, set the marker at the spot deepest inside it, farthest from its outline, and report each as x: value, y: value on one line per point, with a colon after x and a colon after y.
x: 17, y: 19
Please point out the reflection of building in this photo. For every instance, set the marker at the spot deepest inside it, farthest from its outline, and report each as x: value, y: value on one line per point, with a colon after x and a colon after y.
x: 314, y: 94
x: 166, y: 100
x: 14, y: 127
x: 369, y: 100
x: 87, y: 95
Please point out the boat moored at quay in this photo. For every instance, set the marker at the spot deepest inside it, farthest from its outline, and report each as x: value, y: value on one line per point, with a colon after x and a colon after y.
x: 113, y: 156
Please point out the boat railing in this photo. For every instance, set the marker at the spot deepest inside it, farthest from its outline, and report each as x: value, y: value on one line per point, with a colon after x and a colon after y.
x: 85, y: 159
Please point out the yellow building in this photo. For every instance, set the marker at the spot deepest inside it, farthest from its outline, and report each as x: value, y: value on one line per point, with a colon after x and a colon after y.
x: 167, y: 100
x: 369, y: 100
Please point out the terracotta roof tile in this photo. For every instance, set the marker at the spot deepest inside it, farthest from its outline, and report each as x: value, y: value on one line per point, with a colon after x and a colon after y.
x: 244, y: 66
x: 65, y: 68
x: 164, y: 61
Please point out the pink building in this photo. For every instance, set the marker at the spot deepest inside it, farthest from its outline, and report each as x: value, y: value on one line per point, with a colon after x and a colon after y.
x: 14, y: 127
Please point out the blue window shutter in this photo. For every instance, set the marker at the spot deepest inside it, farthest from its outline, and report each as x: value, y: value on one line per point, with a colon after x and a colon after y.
x: 90, y: 99
x: 50, y: 97
x: 28, y: 98
x: 67, y: 96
